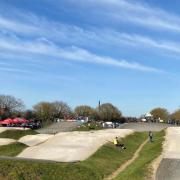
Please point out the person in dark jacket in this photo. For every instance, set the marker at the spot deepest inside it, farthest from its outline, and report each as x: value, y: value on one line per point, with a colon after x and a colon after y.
x: 150, y: 136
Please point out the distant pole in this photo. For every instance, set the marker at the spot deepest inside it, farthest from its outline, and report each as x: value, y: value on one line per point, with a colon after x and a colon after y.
x: 99, y: 105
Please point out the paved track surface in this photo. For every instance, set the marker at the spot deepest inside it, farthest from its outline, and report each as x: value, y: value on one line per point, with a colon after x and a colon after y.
x: 6, y: 141
x: 73, y: 146
x: 34, y: 140
x: 145, y: 126
x: 169, y: 169
x: 58, y: 127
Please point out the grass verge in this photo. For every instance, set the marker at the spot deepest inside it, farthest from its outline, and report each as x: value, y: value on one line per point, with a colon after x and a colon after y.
x: 16, y: 134
x: 106, y: 160
x: 139, y: 169
x: 12, y: 149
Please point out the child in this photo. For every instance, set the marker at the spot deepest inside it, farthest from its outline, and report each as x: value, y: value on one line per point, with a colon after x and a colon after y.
x: 117, y: 144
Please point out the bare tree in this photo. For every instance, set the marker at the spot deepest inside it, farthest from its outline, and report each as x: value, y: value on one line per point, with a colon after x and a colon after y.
x: 61, y: 109
x: 11, y: 104
x: 44, y: 112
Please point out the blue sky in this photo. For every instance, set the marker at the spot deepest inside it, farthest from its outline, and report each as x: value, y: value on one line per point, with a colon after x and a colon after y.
x: 125, y: 52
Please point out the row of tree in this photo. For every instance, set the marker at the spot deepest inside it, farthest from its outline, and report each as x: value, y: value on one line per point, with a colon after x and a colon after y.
x: 49, y: 111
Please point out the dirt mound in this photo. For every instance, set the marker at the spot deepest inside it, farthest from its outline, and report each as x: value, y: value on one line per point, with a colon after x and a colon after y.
x: 73, y: 146
x: 33, y: 140
x: 6, y: 141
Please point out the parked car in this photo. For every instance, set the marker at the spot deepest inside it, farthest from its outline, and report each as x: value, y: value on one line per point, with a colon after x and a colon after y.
x: 32, y: 125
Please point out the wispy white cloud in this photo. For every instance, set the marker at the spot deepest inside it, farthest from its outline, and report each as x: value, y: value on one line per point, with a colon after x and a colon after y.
x: 16, y: 26
x: 43, y: 29
x: 30, y: 25
x: 147, y: 42
x: 39, y: 27
x: 70, y: 53
x: 134, y: 12
x: 50, y: 35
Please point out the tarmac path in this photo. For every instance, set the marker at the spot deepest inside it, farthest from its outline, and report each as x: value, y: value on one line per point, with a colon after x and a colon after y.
x: 169, y: 168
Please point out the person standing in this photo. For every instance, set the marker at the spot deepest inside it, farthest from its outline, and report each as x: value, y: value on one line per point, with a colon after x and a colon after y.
x: 150, y: 136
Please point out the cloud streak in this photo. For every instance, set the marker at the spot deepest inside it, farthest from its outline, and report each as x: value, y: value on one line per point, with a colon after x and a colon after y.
x: 70, y: 53
x: 35, y: 27
x: 41, y: 36
x: 133, y: 12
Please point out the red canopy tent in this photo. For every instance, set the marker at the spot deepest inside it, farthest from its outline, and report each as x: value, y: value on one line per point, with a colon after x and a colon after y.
x: 23, y: 120
x: 14, y: 121
x: 6, y: 121
x: 19, y: 121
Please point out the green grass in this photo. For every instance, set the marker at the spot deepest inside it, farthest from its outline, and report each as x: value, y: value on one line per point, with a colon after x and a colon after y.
x: 109, y: 158
x: 12, y: 149
x: 139, y: 170
x: 106, y: 160
x: 16, y: 134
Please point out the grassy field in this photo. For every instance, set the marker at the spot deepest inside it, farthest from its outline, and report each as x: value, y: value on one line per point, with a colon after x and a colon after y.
x: 139, y: 170
x: 16, y: 134
x: 12, y: 149
x: 106, y: 160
